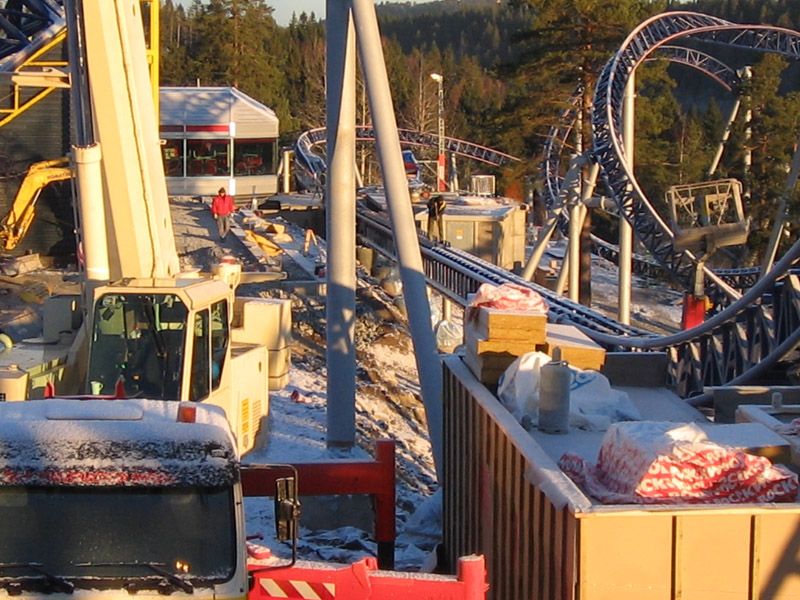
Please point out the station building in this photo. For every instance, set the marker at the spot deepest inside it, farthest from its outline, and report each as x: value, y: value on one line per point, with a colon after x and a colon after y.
x: 217, y: 137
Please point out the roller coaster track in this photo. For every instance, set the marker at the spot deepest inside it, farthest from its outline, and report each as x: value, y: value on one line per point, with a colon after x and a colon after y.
x: 743, y: 342
x: 409, y: 137
x: 29, y: 30
x: 753, y: 338
x: 556, y: 144
x: 313, y: 164
x: 25, y: 26
x: 457, y: 274
x: 557, y: 138
x: 608, y: 149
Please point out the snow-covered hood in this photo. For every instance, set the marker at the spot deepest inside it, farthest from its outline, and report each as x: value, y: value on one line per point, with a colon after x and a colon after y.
x: 114, y: 443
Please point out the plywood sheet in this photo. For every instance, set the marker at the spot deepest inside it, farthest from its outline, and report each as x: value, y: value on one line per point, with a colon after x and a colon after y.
x: 777, y: 556
x: 495, y: 324
x: 576, y: 347
x: 480, y: 344
x: 712, y: 556
x: 626, y: 557
x: 489, y: 366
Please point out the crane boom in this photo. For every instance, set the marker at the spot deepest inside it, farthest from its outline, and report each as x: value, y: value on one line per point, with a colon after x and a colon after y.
x: 137, y: 213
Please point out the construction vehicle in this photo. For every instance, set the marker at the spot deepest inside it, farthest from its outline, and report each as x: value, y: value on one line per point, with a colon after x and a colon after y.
x: 165, y: 489
x: 14, y: 226
x: 165, y: 510
x: 149, y: 328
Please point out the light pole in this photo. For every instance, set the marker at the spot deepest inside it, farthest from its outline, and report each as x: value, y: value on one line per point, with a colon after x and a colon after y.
x: 441, y: 185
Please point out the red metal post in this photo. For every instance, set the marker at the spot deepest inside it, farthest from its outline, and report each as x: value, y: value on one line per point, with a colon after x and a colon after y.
x: 385, y: 500
x: 694, y: 311
x: 376, y: 478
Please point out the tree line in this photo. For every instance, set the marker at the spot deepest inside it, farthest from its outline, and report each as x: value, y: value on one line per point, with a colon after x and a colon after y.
x: 509, y: 71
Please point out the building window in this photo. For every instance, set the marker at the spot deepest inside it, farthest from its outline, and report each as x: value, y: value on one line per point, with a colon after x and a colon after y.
x: 255, y: 157
x: 207, y: 158
x: 172, y: 152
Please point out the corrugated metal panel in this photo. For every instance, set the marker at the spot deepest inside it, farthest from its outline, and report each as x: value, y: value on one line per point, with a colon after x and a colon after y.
x: 491, y: 505
x: 506, y: 499
x: 213, y: 106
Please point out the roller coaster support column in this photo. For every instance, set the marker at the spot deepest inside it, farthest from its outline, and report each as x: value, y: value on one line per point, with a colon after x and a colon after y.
x: 550, y: 226
x: 441, y: 184
x: 747, y: 74
x: 576, y: 215
x: 540, y: 246
x: 779, y: 222
x: 725, y: 135
x: 406, y: 240
x: 625, y: 228
x: 286, y: 171
x: 341, y: 224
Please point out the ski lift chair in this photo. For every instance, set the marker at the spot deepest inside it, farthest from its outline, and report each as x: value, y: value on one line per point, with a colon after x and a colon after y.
x: 705, y: 217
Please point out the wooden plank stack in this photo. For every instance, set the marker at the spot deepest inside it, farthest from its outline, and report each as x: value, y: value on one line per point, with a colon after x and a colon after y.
x: 494, y: 338
x: 576, y: 347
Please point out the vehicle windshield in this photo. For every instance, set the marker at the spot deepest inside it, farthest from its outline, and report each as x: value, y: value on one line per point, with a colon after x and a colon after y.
x: 139, y: 337
x: 112, y: 536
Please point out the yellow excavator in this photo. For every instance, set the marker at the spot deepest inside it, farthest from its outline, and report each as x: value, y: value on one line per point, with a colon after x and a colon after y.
x: 16, y: 223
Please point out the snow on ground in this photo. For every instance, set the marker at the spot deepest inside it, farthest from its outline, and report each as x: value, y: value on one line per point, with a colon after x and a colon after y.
x: 297, y: 434
x: 654, y: 306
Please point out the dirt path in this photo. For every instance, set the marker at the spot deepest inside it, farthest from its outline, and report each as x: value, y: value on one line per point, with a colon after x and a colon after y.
x: 198, y: 244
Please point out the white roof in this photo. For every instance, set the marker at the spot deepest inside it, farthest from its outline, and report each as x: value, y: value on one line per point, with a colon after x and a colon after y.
x: 113, y: 442
x: 217, y: 106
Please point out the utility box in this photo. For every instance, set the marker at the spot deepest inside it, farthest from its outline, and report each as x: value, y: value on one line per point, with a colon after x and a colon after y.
x: 482, y: 185
x: 492, y: 229
x: 506, y: 497
x: 267, y: 321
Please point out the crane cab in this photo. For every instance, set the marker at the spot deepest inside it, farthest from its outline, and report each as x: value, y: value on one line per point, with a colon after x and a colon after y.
x: 172, y: 340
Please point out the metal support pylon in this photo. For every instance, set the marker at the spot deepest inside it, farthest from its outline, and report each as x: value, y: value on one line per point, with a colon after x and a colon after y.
x: 399, y: 206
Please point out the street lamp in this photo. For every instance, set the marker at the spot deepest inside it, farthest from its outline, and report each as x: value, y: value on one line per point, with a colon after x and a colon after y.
x: 440, y: 180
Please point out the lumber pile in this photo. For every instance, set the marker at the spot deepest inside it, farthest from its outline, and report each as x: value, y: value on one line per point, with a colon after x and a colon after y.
x: 494, y: 338
x: 576, y: 347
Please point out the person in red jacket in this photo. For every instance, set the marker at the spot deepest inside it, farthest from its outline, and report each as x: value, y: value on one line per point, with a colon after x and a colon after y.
x: 222, y: 207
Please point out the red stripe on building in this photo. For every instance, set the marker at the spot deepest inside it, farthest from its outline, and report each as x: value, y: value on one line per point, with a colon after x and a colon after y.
x: 215, y: 128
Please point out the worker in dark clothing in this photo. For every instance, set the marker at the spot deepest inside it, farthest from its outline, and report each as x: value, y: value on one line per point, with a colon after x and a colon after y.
x: 436, y: 208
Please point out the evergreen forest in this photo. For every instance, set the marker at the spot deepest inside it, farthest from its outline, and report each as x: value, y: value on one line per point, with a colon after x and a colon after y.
x: 510, y: 69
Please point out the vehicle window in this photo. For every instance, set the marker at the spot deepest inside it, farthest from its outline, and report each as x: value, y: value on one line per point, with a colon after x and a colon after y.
x: 201, y: 369
x: 219, y: 340
x: 140, y: 339
x: 52, y: 526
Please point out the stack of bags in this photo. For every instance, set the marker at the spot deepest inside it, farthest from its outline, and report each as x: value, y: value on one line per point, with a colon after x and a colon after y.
x: 650, y: 462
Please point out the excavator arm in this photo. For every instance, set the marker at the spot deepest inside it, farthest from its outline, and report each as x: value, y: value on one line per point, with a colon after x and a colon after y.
x: 16, y: 223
